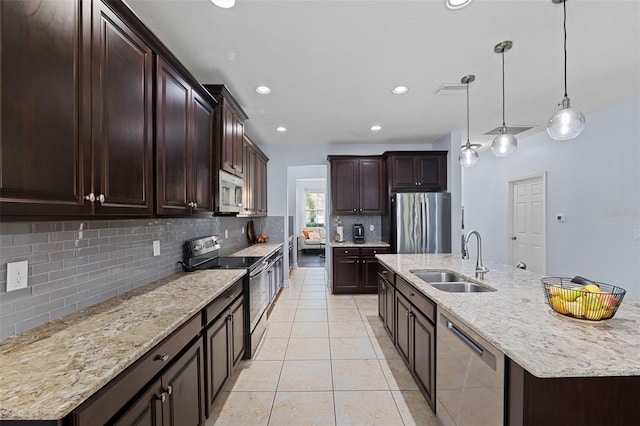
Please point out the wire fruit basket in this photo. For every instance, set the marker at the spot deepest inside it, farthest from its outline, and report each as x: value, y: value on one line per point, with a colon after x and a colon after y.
x: 580, y: 298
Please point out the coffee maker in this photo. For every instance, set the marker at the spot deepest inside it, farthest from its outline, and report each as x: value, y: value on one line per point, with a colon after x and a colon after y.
x: 358, y: 233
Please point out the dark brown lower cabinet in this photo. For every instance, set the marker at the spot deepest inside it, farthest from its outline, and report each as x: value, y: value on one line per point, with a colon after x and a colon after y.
x: 146, y: 411
x: 415, y: 337
x: 355, y: 269
x: 386, y: 297
x: 225, y: 344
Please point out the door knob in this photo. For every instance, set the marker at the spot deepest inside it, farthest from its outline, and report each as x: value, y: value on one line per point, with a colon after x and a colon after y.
x: 91, y: 197
x: 514, y: 238
x: 100, y: 198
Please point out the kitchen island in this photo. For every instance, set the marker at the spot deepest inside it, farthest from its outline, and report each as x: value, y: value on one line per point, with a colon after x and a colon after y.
x: 557, y: 367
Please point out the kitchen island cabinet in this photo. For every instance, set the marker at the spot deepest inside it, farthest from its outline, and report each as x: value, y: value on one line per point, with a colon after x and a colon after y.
x: 554, y: 365
x: 386, y: 300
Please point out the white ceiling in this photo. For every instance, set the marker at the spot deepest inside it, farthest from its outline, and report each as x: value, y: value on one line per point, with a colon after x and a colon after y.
x: 331, y: 64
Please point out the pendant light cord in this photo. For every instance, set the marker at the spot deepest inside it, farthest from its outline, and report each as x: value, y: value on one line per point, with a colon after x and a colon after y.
x: 467, y: 113
x: 503, y: 120
x: 564, y: 5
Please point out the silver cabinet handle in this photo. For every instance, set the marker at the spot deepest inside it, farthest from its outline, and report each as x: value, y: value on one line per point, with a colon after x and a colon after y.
x: 91, y: 197
x: 346, y: 252
x: 473, y: 345
x: 162, y: 358
x: 195, y: 205
x: 168, y: 390
x: 162, y: 397
x: 354, y: 210
x: 100, y: 198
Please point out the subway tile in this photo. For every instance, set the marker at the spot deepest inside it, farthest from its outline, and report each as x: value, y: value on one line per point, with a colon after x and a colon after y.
x: 60, y: 312
x: 7, y: 331
x: 75, y: 244
x: 32, y: 301
x: 98, y: 224
x: 88, y: 302
x: 47, y: 247
x: 48, y: 307
x: 88, y: 234
x: 14, y: 295
x: 63, y: 236
x: 16, y: 317
x: 88, y: 251
x: 73, y: 226
x: 61, y: 255
x: 108, y: 232
x: 45, y: 267
x: 75, y: 261
x: 30, y: 239
x: 62, y: 273
x: 36, y: 280
x: 49, y: 286
x: 75, y: 298
x: 45, y: 227
x: 15, y: 251
x: 32, y: 322
x: 98, y: 257
x: 63, y: 292
x: 14, y: 228
x: 7, y: 309
x: 98, y: 241
x: 6, y: 240
x: 108, y: 295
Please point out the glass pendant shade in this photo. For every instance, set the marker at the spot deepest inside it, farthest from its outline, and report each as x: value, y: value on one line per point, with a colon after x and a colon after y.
x: 504, y: 144
x: 468, y: 156
x: 567, y: 123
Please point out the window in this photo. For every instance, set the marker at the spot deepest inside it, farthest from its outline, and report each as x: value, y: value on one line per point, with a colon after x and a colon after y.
x: 314, y: 209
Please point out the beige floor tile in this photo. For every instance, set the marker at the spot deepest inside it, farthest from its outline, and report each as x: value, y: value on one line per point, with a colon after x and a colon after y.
x: 241, y: 408
x: 306, y: 376
x: 256, y: 376
x: 361, y: 374
x: 351, y: 348
x: 366, y: 408
x: 343, y: 315
x: 282, y: 315
x: 310, y: 315
x: 279, y: 329
x: 375, y: 329
x: 347, y: 329
x: 312, y: 304
x: 310, y: 329
x: 315, y: 282
x: 397, y: 374
x: 286, y: 304
x: 340, y: 302
x: 307, y: 348
x: 271, y: 349
x: 414, y: 409
x: 366, y: 313
x: 384, y: 347
x: 303, y: 408
x: 313, y: 295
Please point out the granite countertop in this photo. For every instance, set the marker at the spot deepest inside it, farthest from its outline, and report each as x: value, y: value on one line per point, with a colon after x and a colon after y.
x: 352, y: 244
x: 258, y: 250
x: 48, y: 371
x: 516, y: 320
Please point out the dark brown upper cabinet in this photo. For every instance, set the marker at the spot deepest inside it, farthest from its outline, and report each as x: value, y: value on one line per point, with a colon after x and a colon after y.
x: 417, y: 171
x: 357, y: 185
x: 255, y: 180
x: 229, y: 119
x: 184, y: 155
x: 46, y: 132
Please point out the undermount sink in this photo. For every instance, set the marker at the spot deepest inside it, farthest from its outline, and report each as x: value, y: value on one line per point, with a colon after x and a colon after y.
x: 450, y: 282
x: 461, y: 287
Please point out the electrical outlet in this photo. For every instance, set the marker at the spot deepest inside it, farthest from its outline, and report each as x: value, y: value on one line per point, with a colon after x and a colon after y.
x: 636, y: 235
x: 226, y: 234
x: 156, y: 248
x: 372, y: 228
x: 242, y: 230
x: 17, y: 275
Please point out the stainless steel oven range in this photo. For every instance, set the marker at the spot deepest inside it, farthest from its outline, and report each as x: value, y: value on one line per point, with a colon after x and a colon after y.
x: 203, y: 253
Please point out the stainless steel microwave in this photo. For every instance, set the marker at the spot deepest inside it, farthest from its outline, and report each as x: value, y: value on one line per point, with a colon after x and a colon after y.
x: 229, y: 192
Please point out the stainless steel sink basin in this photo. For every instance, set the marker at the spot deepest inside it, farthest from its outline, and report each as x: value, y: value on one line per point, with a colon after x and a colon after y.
x: 461, y: 287
x: 450, y: 282
x: 438, y: 277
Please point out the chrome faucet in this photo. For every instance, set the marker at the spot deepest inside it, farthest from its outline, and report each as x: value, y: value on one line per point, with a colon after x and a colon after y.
x: 480, y: 268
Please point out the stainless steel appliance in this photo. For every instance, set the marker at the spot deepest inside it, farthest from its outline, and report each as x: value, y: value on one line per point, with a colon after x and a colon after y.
x: 203, y: 253
x: 358, y: 233
x: 421, y: 222
x: 229, y: 193
x: 469, y: 376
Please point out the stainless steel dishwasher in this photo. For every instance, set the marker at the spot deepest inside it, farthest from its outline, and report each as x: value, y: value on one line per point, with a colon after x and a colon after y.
x: 469, y: 376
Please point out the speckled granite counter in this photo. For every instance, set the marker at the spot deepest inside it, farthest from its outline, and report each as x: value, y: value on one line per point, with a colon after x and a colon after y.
x: 48, y: 371
x: 259, y: 249
x: 352, y: 244
x: 517, y: 321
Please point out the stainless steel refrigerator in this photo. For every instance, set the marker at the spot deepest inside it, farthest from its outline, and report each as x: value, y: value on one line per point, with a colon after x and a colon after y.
x: 421, y: 222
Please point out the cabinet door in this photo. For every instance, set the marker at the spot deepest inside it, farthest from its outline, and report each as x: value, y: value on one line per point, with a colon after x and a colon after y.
x: 403, y: 327
x: 229, y: 137
x: 44, y: 52
x: 390, y: 319
x: 202, y: 148
x: 402, y: 173
x: 146, y: 410
x: 249, y: 189
x: 218, y: 365
x: 183, y: 385
x: 261, y: 186
x: 238, y: 151
x: 238, y: 331
x: 423, y: 355
x: 173, y: 97
x: 344, y: 193
x: 371, y: 188
x: 369, y: 281
x: 346, y: 273
x: 431, y: 171
x: 382, y: 299
x: 121, y: 117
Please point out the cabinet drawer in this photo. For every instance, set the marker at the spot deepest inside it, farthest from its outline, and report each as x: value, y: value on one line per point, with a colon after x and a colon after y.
x: 423, y: 303
x: 386, y: 274
x: 221, y: 302
x: 372, y: 251
x: 117, y: 393
x: 350, y: 251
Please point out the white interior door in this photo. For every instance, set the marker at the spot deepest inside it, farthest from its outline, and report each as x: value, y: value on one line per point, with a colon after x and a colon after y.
x: 527, y: 227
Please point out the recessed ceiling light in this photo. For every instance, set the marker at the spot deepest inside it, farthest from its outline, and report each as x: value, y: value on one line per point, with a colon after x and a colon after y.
x: 376, y: 127
x: 399, y: 90
x: 263, y: 90
x: 281, y: 129
x: 457, y: 4
x: 225, y: 4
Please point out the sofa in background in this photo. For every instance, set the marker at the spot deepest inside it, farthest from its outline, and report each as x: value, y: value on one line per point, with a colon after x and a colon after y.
x: 312, y: 239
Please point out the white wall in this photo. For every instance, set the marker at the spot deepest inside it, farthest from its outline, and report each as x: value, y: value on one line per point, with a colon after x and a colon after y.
x: 302, y: 187
x: 594, y: 180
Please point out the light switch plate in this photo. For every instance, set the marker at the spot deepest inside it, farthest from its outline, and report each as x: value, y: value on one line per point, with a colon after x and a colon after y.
x: 372, y: 228
x: 17, y: 275
x: 226, y: 234
x: 636, y: 235
x: 156, y: 248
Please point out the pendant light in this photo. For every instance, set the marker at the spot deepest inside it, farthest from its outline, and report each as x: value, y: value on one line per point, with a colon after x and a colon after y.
x: 469, y: 155
x: 568, y: 122
x: 504, y: 144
